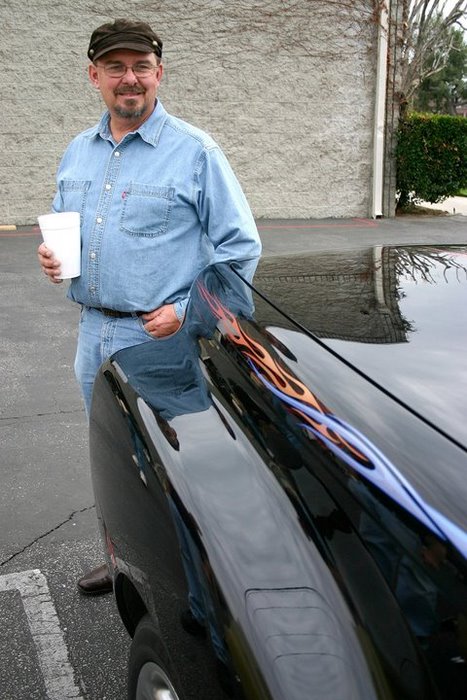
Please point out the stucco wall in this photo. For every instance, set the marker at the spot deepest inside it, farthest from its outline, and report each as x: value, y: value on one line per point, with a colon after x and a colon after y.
x: 285, y: 87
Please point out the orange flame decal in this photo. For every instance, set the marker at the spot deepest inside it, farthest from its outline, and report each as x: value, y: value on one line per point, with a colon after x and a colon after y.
x: 273, y: 372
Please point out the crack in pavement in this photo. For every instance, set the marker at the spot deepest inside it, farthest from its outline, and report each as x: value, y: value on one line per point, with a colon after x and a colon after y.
x: 45, y: 534
x: 4, y: 419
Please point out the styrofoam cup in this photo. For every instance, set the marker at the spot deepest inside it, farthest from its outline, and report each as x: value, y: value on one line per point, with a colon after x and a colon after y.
x: 61, y: 234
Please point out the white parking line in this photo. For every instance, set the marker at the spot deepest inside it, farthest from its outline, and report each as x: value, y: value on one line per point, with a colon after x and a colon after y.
x: 46, y: 632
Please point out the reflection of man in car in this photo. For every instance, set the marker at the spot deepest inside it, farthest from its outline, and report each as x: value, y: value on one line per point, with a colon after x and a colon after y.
x: 158, y: 202
x: 167, y: 375
x: 168, y: 381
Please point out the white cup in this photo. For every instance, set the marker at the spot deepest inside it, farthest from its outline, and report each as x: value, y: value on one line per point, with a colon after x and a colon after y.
x: 61, y: 234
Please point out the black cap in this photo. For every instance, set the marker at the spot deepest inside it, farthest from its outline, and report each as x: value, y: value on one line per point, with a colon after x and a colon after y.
x: 124, y: 34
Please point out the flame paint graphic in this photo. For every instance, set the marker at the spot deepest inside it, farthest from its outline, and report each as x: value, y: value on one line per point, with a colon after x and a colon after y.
x: 296, y: 397
x: 342, y: 439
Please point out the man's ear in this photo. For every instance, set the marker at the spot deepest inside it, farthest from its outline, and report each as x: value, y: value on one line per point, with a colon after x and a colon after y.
x: 160, y: 72
x: 93, y: 75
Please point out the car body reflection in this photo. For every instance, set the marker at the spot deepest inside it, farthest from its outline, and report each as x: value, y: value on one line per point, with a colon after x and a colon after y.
x: 253, y: 470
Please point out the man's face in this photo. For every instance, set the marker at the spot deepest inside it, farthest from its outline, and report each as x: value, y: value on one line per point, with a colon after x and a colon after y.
x: 127, y: 96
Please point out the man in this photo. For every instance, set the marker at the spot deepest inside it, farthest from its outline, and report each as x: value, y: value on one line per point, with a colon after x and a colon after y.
x: 158, y: 202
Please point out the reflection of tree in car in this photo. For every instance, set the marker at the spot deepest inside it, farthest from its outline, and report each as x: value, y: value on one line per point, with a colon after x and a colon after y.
x: 419, y: 264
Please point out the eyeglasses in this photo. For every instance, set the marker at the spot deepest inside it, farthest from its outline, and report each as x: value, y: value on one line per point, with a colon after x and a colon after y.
x: 118, y: 70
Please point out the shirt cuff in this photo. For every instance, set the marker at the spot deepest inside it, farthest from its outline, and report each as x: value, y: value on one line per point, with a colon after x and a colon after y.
x: 180, y: 308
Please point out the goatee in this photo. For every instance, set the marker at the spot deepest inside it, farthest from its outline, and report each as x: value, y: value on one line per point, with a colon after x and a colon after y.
x: 130, y: 113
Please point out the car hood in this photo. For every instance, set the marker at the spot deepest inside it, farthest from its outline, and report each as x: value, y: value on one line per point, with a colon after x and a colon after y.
x: 398, y: 315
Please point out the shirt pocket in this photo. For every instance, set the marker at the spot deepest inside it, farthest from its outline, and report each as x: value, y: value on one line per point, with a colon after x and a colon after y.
x: 73, y: 194
x: 146, y: 210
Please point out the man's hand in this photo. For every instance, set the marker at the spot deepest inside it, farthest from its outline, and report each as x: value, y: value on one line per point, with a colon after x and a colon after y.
x: 162, y: 321
x: 50, y: 265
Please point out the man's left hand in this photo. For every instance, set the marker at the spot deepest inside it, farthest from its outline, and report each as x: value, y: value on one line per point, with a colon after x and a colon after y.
x: 162, y: 321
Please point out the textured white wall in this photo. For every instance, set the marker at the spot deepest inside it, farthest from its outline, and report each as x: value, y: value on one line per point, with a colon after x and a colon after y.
x: 285, y: 87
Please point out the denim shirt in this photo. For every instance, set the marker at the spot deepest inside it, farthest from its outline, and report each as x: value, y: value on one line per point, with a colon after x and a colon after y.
x: 155, y: 209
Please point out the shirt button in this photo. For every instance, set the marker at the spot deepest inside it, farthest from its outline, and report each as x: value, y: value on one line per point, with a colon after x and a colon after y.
x: 117, y: 154
x: 99, y: 219
x: 108, y: 187
x: 92, y: 256
x: 92, y: 289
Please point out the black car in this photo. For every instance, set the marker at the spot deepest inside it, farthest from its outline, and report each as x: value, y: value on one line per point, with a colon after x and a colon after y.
x: 281, y: 485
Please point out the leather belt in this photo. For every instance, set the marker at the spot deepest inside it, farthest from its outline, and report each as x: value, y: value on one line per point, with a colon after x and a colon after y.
x: 113, y: 313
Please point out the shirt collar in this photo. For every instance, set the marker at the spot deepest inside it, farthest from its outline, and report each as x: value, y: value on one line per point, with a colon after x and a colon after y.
x: 149, y: 130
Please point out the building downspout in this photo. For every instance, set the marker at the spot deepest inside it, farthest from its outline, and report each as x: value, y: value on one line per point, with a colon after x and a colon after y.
x: 380, y: 112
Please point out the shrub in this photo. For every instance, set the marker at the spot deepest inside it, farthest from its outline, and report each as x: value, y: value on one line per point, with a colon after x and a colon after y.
x: 431, y: 157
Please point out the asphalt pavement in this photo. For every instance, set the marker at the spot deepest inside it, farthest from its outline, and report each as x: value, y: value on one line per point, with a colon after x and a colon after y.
x: 47, y: 516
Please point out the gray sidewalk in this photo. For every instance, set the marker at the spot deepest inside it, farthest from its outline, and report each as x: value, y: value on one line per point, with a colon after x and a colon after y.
x: 451, y: 205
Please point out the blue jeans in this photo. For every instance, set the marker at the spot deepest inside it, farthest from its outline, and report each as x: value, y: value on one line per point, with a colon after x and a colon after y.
x: 100, y: 337
x: 199, y: 594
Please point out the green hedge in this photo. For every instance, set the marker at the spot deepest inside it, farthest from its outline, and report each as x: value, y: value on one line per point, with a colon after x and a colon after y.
x: 431, y: 157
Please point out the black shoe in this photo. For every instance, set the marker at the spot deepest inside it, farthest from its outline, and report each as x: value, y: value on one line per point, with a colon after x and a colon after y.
x: 96, y: 582
x: 191, y: 625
